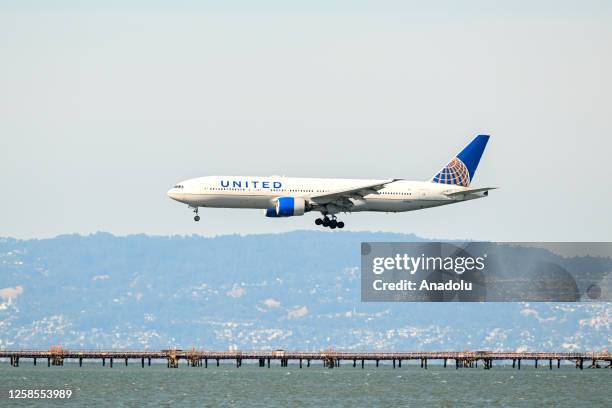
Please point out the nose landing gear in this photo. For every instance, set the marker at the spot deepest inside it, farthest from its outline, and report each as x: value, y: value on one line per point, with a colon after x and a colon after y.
x: 332, y: 223
x: 197, y: 217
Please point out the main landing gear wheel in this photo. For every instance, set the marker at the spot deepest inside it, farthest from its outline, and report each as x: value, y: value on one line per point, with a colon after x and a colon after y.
x: 196, y: 218
x: 331, y: 223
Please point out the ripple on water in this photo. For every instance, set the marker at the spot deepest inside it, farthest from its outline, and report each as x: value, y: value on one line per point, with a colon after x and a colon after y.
x: 275, y: 387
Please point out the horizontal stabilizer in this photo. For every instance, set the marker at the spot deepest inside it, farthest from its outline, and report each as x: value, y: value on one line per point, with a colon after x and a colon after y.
x: 470, y: 191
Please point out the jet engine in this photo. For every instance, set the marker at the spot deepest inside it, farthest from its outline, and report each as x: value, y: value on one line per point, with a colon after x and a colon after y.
x: 288, y: 207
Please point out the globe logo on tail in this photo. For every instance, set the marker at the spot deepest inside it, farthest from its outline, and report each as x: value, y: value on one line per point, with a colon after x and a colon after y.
x: 455, y: 173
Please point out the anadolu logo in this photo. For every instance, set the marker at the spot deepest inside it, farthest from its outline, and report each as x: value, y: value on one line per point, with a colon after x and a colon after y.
x: 251, y: 184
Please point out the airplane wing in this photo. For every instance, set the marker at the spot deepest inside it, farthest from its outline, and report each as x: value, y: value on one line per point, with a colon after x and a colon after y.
x: 473, y: 191
x: 341, y: 198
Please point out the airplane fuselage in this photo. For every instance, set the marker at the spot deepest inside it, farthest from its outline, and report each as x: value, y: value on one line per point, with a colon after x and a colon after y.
x: 263, y: 192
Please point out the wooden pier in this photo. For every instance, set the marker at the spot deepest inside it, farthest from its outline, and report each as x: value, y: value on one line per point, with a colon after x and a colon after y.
x: 56, y: 356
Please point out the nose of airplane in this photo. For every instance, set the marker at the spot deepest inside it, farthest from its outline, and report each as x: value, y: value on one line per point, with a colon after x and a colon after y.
x: 172, y: 193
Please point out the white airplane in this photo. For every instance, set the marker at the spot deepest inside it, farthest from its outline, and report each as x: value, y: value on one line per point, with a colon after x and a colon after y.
x: 290, y: 196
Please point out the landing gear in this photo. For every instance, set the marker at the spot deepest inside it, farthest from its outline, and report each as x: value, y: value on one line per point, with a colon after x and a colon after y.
x: 332, y: 223
x: 197, y: 217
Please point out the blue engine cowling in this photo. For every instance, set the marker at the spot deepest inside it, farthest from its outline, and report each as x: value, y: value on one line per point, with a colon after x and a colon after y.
x: 288, y: 207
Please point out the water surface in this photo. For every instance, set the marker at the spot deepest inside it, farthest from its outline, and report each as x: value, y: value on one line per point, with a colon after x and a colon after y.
x: 345, y: 386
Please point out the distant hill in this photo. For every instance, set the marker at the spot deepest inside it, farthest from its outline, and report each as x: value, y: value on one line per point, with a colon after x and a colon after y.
x: 297, y: 290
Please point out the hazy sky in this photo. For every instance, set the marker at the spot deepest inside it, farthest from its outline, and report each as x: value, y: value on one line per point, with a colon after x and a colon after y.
x: 103, y: 108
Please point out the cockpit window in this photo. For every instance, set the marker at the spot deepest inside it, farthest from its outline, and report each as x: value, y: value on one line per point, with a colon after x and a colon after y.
x: 179, y: 186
